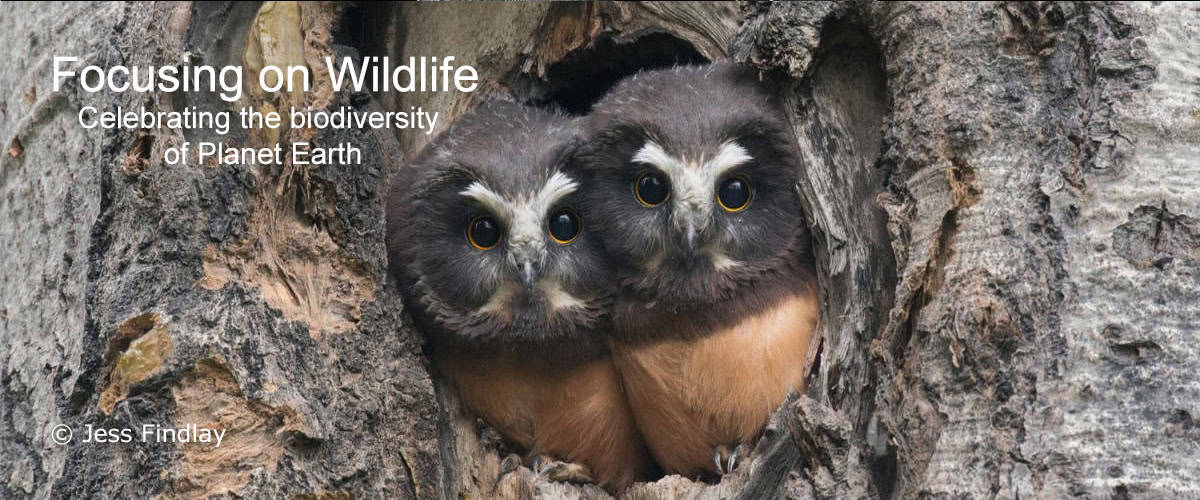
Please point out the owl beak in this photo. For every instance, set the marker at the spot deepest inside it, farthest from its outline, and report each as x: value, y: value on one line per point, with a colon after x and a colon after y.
x: 690, y: 239
x: 691, y: 223
x: 690, y: 236
x: 529, y: 274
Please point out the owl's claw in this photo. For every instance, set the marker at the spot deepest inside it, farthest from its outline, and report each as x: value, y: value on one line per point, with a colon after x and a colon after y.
x: 726, y: 459
x: 509, y: 464
x: 562, y: 472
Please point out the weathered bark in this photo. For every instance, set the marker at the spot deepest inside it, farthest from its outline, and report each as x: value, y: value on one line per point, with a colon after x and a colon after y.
x: 1004, y: 200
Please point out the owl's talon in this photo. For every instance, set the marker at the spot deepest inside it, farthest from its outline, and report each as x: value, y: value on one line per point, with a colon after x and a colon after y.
x: 740, y: 452
x: 726, y: 458
x: 562, y: 472
x: 509, y: 464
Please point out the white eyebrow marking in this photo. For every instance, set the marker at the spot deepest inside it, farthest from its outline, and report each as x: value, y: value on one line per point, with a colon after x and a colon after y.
x: 653, y: 154
x: 491, y: 200
x: 558, y: 186
x: 730, y: 155
x: 554, y: 189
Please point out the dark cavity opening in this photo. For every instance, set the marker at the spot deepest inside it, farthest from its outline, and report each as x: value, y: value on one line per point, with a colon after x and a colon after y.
x: 365, y: 26
x: 577, y: 81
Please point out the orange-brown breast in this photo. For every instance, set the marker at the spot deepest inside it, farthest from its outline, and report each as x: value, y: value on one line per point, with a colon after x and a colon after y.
x: 577, y: 413
x: 689, y: 396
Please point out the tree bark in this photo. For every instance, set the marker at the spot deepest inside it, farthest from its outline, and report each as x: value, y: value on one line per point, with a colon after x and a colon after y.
x: 1004, y: 200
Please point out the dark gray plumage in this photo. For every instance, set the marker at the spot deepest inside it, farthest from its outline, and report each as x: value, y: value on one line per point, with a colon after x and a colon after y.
x: 718, y: 299
x: 512, y: 316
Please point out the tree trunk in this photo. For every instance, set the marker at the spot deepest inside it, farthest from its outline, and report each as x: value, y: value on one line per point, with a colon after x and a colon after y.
x: 1004, y: 199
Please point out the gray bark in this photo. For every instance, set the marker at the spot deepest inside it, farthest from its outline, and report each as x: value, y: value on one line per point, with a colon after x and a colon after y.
x: 1004, y: 198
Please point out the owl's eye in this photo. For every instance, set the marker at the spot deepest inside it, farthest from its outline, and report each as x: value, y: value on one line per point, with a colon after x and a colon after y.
x: 651, y: 189
x: 483, y: 232
x: 563, y: 226
x: 734, y: 193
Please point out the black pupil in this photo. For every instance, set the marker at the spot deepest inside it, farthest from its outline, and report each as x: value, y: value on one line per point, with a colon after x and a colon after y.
x: 564, y: 225
x: 485, y: 232
x: 652, y: 188
x: 734, y: 193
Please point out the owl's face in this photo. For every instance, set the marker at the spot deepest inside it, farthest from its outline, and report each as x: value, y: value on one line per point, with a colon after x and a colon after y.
x: 494, y: 235
x: 693, y: 179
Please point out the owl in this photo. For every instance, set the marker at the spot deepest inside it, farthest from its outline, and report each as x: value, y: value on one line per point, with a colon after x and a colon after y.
x: 692, y: 177
x: 491, y: 244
